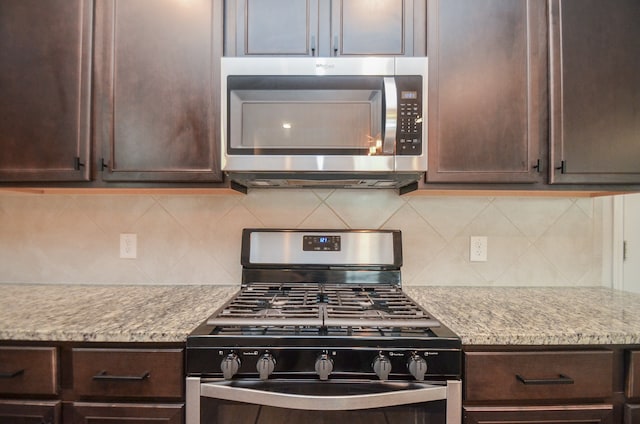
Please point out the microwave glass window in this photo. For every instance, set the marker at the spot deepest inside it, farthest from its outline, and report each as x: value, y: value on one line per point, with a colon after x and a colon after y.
x: 307, y: 120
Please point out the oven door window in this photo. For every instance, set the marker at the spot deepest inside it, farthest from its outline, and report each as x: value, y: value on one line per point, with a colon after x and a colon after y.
x: 317, y: 402
x: 306, y: 115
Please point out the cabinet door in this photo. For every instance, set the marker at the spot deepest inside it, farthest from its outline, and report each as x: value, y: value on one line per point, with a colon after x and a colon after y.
x: 139, y: 373
x: 577, y: 414
x: 325, y: 27
x: 100, y: 413
x: 272, y: 27
x: 29, y: 412
x: 487, y: 91
x: 382, y: 27
x: 595, y: 88
x: 631, y: 414
x: 157, y: 89
x: 45, y: 57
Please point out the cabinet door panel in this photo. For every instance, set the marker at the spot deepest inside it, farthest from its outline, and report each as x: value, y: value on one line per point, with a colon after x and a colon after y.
x: 45, y: 56
x: 275, y: 27
x: 633, y: 375
x: 363, y: 27
x: 29, y: 370
x: 575, y: 414
x: 507, y: 376
x: 157, y: 76
x: 631, y: 414
x: 122, y: 373
x: 97, y: 413
x: 595, y: 83
x: 30, y: 412
x: 487, y: 95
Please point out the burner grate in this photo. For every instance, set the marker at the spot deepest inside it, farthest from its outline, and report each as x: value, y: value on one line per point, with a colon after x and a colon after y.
x: 322, y: 305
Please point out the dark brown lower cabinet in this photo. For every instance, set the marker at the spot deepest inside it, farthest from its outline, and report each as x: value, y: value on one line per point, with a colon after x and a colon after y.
x: 575, y: 414
x: 126, y: 413
x: 30, y: 412
x: 631, y: 414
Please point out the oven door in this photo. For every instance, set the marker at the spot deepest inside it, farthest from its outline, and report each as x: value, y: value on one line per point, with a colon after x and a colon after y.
x: 316, y: 402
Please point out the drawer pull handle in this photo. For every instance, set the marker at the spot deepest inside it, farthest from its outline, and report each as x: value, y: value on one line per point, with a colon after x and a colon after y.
x: 561, y: 379
x: 103, y: 376
x: 11, y: 374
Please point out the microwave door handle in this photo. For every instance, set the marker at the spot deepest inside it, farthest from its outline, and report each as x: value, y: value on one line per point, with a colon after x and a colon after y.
x: 426, y: 393
x: 390, y: 116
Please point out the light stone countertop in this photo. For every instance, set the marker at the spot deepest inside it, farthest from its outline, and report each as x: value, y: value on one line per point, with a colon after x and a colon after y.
x: 534, y: 316
x: 479, y: 315
x: 95, y: 313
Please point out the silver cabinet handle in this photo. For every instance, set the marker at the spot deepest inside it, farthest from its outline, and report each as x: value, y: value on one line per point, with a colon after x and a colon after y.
x: 223, y: 390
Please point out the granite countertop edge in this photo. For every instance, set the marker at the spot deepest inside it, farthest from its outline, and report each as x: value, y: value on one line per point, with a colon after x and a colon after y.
x: 478, y: 315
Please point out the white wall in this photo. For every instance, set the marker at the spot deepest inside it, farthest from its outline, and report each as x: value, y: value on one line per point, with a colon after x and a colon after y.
x: 186, y: 239
x: 631, y: 229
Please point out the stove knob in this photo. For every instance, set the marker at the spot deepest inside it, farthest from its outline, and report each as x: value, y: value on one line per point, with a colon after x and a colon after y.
x: 417, y: 367
x: 382, y: 367
x: 324, y: 366
x: 230, y: 365
x: 266, y: 365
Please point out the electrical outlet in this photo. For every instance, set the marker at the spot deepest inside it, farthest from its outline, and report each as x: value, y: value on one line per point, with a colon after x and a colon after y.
x: 128, y: 246
x: 478, y: 249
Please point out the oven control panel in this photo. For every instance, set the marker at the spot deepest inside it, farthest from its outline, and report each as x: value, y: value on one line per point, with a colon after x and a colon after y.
x: 321, y: 243
x: 326, y: 364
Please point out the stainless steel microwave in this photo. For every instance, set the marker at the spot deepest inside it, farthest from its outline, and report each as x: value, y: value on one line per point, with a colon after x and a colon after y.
x: 339, y: 122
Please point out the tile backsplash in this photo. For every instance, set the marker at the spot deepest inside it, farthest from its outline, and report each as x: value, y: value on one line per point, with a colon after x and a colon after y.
x: 195, y: 239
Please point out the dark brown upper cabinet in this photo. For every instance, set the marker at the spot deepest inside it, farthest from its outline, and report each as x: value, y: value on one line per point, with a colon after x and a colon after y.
x: 157, y: 85
x: 595, y: 91
x: 45, y: 59
x: 487, y: 91
x: 325, y: 27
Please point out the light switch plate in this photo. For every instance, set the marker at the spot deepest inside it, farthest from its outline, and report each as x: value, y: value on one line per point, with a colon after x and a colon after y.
x: 128, y: 246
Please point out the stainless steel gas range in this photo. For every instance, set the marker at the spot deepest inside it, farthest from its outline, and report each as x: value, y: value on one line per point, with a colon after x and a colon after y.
x: 320, y: 332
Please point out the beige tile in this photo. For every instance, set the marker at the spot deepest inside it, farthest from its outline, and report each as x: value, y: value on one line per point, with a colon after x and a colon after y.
x: 285, y: 208
x: 197, y: 266
x: 502, y: 252
x: 448, y: 269
x: 114, y: 213
x: 568, y: 244
x: 420, y: 243
x: 199, y: 214
x: 364, y: 209
x: 224, y: 242
x: 449, y: 215
x: 531, y: 269
x: 532, y: 216
x: 491, y: 222
x: 162, y: 242
x: 323, y: 218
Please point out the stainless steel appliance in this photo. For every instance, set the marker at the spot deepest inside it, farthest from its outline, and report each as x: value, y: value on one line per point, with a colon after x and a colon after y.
x: 341, y: 122
x: 321, y: 331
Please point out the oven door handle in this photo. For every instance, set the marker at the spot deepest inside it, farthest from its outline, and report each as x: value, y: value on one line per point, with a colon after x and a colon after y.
x: 390, y: 116
x: 222, y: 390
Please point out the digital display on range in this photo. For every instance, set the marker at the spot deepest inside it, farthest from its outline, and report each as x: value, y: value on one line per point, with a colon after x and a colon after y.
x: 321, y: 243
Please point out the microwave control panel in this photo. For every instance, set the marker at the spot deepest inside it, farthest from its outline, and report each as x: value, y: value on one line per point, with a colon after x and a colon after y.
x: 410, y: 120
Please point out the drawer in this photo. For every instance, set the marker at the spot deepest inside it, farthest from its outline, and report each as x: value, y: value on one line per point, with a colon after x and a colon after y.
x: 135, y: 373
x: 28, y: 370
x: 538, y: 375
x: 633, y: 376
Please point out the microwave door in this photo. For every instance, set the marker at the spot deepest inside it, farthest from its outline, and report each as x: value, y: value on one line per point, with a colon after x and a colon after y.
x: 342, y: 119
